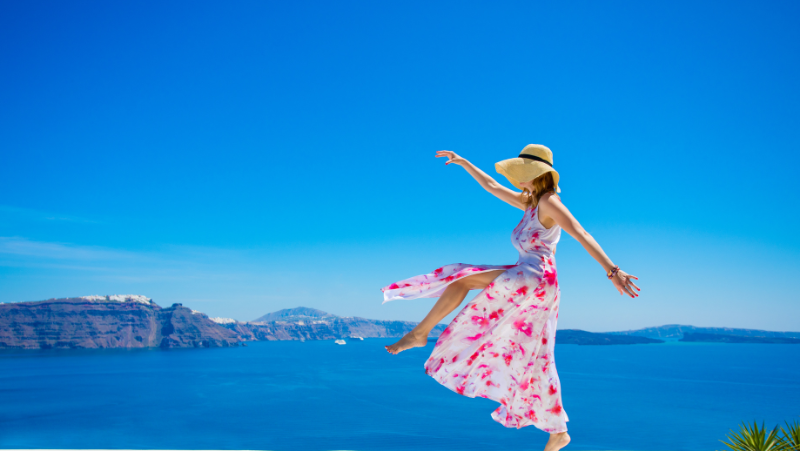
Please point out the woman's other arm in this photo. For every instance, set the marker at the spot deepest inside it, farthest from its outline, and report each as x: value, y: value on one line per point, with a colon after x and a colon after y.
x: 550, y: 206
x: 488, y: 183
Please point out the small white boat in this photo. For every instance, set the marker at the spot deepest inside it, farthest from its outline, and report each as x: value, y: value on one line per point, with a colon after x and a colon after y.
x: 340, y: 342
x: 356, y: 337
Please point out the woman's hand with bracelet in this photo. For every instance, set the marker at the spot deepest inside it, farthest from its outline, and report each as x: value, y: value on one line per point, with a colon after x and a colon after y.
x: 624, y: 283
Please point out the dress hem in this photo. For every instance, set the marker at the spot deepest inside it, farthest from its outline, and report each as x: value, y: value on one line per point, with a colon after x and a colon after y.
x: 519, y: 425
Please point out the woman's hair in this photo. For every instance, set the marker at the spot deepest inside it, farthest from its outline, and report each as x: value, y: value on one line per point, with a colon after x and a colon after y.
x: 542, y: 184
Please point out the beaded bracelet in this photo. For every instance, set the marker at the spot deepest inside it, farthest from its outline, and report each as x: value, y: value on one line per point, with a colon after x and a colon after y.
x: 613, y: 272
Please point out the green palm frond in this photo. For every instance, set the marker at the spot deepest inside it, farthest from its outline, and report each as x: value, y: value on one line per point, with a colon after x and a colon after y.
x: 791, y: 437
x: 754, y: 439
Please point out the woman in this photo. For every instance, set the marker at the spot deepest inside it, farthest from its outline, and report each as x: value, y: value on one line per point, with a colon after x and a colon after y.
x: 500, y: 345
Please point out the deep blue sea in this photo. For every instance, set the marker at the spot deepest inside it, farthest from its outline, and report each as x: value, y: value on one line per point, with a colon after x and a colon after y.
x: 317, y: 395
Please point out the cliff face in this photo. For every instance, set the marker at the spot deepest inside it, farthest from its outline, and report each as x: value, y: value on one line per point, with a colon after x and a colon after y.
x: 303, y: 323
x: 185, y: 328
x: 107, y: 322
x: 131, y: 321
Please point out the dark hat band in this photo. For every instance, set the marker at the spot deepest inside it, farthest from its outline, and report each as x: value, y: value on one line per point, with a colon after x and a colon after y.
x: 535, y: 158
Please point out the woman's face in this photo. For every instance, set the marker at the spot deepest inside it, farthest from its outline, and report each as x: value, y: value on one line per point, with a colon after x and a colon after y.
x: 527, y: 185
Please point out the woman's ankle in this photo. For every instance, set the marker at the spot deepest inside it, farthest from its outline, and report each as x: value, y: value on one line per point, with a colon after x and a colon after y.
x: 419, y: 333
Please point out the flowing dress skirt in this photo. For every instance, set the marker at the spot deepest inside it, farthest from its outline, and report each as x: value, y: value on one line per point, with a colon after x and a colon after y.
x: 500, y: 345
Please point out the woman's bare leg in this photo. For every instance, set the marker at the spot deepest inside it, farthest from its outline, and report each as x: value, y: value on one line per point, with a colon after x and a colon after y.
x: 452, y: 297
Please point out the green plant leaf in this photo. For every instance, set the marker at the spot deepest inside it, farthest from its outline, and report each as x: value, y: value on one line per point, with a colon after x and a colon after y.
x: 791, y: 436
x: 755, y: 439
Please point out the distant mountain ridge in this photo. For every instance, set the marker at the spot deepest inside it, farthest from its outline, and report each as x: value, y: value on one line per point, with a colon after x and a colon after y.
x: 296, y: 314
x: 305, y: 323
x: 717, y: 338
x: 581, y: 337
x: 135, y: 321
x: 677, y: 331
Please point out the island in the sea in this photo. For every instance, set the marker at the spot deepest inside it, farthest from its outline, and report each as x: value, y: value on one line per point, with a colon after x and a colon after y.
x: 134, y: 321
x: 679, y: 331
x: 720, y: 338
x: 581, y: 337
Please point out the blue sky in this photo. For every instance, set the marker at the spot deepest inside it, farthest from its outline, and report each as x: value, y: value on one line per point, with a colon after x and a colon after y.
x: 251, y: 156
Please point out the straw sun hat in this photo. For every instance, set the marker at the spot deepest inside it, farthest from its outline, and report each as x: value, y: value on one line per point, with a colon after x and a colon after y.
x: 533, y: 161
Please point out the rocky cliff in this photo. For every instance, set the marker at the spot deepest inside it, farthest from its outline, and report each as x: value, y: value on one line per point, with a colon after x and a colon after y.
x: 132, y: 321
x: 303, y: 323
x: 118, y: 321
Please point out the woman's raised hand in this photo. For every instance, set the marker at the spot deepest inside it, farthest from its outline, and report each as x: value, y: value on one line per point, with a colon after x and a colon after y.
x: 452, y: 157
x: 624, y: 283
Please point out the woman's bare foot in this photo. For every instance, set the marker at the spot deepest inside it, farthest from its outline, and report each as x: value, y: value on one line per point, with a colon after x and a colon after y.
x: 410, y: 340
x: 557, y: 441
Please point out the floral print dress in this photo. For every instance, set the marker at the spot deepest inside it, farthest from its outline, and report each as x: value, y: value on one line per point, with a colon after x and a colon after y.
x: 500, y: 345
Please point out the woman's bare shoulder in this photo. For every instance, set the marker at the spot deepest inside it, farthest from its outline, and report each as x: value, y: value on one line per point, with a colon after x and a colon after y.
x: 550, y: 198
x: 550, y: 203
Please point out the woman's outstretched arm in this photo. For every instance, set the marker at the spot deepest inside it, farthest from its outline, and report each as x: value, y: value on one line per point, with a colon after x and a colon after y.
x: 550, y: 206
x: 488, y: 183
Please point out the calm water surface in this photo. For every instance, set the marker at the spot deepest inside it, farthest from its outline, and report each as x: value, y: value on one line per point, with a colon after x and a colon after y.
x: 320, y: 396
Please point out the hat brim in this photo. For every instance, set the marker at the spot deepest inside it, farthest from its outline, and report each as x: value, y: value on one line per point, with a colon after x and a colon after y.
x: 523, y: 170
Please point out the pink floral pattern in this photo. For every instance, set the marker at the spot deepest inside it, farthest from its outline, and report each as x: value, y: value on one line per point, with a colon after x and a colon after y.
x: 501, y: 344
